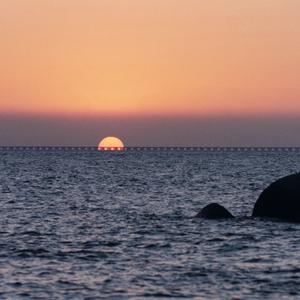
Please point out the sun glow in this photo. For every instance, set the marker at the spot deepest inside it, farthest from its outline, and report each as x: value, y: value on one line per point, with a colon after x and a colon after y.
x: 111, y: 143
x: 130, y: 57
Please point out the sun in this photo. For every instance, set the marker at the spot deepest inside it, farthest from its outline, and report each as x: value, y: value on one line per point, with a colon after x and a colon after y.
x: 111, y: 143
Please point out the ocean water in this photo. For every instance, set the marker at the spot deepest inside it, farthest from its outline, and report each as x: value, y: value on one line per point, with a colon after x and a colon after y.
x: 83, y: 224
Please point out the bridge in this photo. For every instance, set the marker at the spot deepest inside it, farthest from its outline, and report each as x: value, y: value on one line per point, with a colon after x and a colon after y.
x: 151, y: 149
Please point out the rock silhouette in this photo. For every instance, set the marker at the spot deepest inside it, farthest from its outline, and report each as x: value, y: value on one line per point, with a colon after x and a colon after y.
x: 214, y: 211
x: 280, y: 200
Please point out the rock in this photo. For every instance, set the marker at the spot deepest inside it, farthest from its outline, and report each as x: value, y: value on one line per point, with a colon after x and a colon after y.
x: 280, y: 200
x: 214, y: 211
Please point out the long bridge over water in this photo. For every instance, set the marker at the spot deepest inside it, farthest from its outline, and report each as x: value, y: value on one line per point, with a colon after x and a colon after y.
x: 153, y: 149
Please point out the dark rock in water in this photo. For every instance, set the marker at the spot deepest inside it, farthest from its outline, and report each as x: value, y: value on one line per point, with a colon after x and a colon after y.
x: 214, y: 211
x: 280, y: 200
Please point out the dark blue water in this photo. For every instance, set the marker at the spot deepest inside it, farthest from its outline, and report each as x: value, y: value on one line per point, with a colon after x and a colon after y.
x: 89, y: 225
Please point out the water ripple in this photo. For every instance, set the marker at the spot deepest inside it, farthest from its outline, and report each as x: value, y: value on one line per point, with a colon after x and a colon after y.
x: 90, y: 225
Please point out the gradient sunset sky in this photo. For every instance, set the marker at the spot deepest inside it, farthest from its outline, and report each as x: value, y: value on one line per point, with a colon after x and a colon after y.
x: 153, y: 72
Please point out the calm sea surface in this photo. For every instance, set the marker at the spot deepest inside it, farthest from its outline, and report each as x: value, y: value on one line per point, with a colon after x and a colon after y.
x: 88, y: 225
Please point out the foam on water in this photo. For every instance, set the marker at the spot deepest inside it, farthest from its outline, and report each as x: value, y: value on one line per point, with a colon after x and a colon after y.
x: 84, y: 224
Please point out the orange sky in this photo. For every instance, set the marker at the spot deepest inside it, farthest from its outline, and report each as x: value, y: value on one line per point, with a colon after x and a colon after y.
x: 150, y: 56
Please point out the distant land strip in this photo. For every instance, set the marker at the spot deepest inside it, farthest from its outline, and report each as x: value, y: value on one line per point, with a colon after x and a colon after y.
x: 87, y: 148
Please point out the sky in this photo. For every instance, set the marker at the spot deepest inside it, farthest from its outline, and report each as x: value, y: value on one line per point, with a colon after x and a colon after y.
x: 153, y: 72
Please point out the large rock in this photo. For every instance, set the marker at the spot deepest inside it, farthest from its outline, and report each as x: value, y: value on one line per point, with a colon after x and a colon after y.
x: 214, y: 211
x: 280, y: 200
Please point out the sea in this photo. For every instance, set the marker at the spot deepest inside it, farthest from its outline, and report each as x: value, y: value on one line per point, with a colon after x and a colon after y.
x: 87, y: 224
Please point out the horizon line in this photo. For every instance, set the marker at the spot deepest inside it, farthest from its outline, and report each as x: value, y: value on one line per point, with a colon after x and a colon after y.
x: 145, y: 148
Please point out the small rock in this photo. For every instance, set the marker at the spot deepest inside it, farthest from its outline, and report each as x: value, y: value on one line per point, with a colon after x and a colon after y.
x: 214, y: 211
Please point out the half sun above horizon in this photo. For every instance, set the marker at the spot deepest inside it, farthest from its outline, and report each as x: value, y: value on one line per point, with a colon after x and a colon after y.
x: 111, y: 143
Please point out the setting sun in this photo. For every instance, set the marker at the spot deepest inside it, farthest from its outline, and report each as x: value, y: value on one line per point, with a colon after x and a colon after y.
x: 111, y: 143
